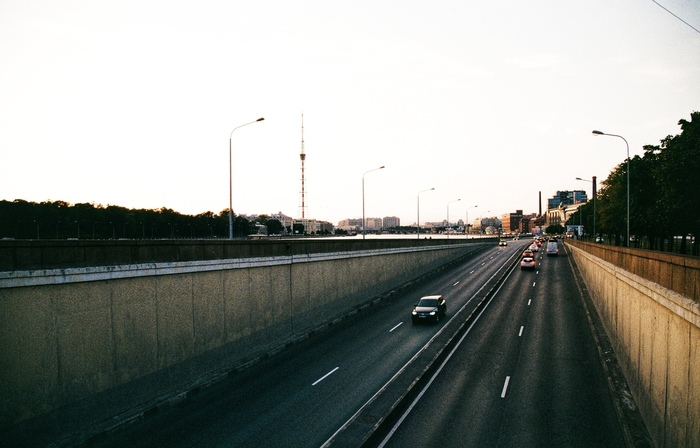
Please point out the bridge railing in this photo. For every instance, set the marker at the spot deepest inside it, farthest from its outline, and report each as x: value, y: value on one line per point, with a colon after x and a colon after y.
x: 679, y: 273
x: 22, y: 255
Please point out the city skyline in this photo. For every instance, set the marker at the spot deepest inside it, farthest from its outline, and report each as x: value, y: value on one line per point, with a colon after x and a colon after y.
x: 133, y: 103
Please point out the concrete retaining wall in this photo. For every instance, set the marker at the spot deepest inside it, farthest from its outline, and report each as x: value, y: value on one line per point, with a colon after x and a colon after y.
x: 656, y: 336
x: 125, y: 336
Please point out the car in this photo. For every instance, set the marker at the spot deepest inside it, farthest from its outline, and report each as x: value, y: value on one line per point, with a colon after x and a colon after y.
x: 552, y: 248
x: 429, y: 308
x: 527, y: 263
x: 599, y: 239
x: 527, y: 253
x: 534, y: 247
x: 502, y: 243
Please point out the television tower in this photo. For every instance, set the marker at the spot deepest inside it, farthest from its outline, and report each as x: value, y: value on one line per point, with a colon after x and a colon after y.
x: 302, y: 157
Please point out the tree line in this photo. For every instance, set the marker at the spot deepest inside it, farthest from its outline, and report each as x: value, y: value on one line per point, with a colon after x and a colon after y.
x: 21, y: 219
x: 664, y: 195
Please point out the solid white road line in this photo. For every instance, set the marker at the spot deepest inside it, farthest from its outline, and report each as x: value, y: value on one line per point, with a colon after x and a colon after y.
x: 324, y: 376
x: 521, y: 331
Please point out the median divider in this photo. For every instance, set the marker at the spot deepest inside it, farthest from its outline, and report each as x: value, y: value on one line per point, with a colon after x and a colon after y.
x: 373, y: 420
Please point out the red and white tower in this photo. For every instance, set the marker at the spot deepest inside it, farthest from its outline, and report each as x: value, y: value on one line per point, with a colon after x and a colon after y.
x: 302, y: 156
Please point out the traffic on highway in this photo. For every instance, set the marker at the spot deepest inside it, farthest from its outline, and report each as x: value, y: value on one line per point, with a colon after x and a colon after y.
x: 509, y: 361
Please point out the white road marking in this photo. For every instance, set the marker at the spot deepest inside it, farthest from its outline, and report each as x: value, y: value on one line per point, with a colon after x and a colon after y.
x: 397, y: 326
x: 529, y: 302
x: 456, y: 283
x: 521, y: 331
x: 325, y: 376
x: 505, y: 387
x: 533, y: 284
x: 471, y: 272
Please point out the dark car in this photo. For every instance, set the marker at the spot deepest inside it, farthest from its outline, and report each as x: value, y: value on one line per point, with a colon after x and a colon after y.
x: 429, y: 308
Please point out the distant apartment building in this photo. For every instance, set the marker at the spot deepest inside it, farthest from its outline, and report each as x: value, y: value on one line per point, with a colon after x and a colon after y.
x: 390, y: 221
x: 313, y: 226
x: 566, y: 197
x: 286, y: 221
x: 510, y: 222
x: 373, y: 224
x: 351, y: 225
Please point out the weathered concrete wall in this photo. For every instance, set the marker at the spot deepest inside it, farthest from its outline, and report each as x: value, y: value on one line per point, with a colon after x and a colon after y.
x: 656, y: 336
x: 127, y: 335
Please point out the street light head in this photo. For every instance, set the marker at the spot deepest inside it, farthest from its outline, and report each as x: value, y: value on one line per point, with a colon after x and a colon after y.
x: 598, y: 133
x: 260, y: 119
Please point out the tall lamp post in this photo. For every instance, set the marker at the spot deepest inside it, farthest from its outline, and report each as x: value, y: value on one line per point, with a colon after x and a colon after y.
x: 627, y: 241
x: 448, y: 214
x: 364, y: 223
x: 594, y: 193
x: 230, y: 179
x: 418, y: 210
x: 466, y: 225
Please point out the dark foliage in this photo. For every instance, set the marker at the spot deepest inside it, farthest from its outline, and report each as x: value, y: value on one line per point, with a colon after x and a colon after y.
x: 664, y: 196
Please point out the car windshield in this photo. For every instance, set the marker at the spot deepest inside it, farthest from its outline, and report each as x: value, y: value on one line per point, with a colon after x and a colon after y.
x: 427, y: 302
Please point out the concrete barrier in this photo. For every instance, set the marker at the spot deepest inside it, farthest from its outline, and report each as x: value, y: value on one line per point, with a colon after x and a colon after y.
x: 116, y: 339
x: 655, y: 333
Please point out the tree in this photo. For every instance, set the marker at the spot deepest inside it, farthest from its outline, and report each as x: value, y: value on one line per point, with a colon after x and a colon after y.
x: 274, y: 226
x: 555, y: 229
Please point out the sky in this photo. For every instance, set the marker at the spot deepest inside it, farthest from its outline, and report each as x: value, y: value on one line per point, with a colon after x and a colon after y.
x: 132, y: 103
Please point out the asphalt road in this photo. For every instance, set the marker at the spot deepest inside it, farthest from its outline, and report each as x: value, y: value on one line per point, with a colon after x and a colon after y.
x: 526, y: 374
x: 532, y: 333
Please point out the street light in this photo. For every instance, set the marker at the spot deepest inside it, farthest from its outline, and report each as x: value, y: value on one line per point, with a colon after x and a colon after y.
x: 594, y: 193
x: 364, y: 223
x: 448, y: 214
x: 418, y: 210
x: 627, y: 242
x: 466, y: 225
x: 230, y: 179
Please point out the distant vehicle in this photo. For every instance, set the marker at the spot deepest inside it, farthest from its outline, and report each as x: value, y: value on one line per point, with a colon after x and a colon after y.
x: 528, y: 253
x: 534, y: 247
x: 503, y: 243
x: 527, y: 263
x: 429, y: 308
x: 552, y: 248
x: 599, y: 239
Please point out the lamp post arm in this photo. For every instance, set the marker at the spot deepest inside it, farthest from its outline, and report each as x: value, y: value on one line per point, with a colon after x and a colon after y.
x: 230, y: 177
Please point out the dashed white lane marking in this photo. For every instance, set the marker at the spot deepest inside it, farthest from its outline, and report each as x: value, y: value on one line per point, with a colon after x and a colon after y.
x: 396, y: 326
x: 521, y: 331
x: 325, y: 376
x: 457, y: 283
x: 505, y: 387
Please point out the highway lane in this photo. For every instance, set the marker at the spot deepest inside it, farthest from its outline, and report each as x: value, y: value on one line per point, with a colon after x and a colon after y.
x: 526, y: 374
x: 303, y: 395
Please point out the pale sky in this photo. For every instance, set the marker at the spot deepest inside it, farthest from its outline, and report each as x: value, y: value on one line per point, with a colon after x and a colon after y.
x: 131, y: 103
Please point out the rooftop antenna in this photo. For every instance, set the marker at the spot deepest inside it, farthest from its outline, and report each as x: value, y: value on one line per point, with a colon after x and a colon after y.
x: 302, y: 157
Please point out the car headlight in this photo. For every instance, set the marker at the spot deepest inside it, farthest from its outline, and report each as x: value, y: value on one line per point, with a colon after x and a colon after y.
x: 432, y: 313
x: 414, y: 312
